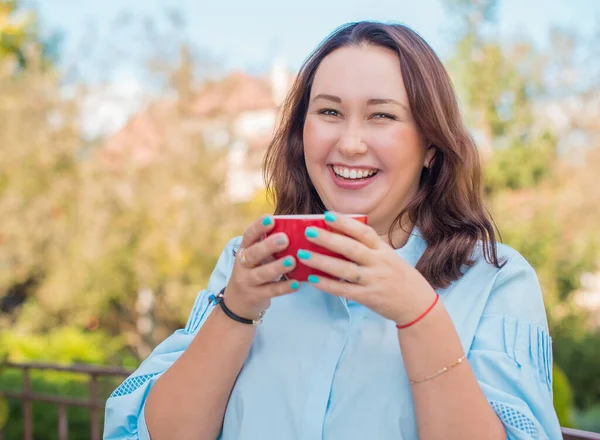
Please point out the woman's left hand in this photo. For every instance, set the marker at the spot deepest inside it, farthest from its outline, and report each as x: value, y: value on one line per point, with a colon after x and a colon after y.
x: 375, y: 276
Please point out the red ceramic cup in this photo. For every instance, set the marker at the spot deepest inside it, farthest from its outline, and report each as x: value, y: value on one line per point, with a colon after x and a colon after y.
x: 294, y: 226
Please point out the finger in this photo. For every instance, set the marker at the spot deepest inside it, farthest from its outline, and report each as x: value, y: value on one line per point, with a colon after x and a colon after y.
x: 269, y: 259
x: 335, y: 267
x: 261, y: 252
x: 271, y: 271
x: 338, y: 288
x: 280, y: 288
x: 256, y: 230
x: 340, y: 244
x: 353, y: 228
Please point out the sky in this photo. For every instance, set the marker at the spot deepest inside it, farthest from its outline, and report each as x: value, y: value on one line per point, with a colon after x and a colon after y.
x: 250, y: 34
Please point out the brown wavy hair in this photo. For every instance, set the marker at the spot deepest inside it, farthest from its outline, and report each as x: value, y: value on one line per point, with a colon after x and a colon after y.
x: 448, y: 207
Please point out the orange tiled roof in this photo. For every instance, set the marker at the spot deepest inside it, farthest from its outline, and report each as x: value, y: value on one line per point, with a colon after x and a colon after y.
x: 144, y: 133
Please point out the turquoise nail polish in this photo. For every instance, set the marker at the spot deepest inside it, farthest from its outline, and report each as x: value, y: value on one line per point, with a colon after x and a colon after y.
x: 303, y: 255
x: 311, y: 232
x: 330, y: 217
x: 295, y: 285
x: 288, y: 262
x: 313, y: 279
x: 267, y: 221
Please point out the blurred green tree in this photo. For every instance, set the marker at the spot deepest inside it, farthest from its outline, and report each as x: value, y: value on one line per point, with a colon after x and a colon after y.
x: 14, y: 29
x: 20, y: 38
x: 131, y: 231
x: 539, y: 197
x: 563, y: 397
x: 39, y: 140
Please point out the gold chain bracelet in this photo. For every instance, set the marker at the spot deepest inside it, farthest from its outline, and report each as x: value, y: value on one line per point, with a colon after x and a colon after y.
x: 442, y: 371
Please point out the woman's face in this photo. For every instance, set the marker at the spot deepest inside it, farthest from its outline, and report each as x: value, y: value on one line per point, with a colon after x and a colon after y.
x: 363, y: 151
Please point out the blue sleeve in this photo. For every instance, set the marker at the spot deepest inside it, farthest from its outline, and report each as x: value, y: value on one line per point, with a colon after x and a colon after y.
x: 511, y: 354
x: 124, y: 415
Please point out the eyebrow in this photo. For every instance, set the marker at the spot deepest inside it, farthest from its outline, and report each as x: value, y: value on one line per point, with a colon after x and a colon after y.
x: 331, y: 98
x: 373, y: 101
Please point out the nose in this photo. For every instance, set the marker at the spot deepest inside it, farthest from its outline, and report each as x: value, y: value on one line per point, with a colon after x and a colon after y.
x: 351, y: 141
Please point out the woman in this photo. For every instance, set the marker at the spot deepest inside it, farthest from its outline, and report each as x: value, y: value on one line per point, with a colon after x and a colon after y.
x: 441, y: 332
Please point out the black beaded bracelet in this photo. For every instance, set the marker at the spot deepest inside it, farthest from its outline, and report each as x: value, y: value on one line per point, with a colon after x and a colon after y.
x: 219, y: 299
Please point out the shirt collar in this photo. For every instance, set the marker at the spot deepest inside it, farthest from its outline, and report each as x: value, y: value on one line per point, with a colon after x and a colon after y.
x: 414, y: 248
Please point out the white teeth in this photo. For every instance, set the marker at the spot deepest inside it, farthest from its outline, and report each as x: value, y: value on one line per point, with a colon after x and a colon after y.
x: 347, y: 173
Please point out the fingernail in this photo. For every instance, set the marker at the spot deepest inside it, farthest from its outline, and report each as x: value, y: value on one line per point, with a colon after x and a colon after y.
x: 313, y: 279
x: 267, y: 221
x: 303, y: 255
x: 288, y: 262
x: 295, y: 285
x: 281, y: 240
x: 311, y: 232
x: 330, y: 217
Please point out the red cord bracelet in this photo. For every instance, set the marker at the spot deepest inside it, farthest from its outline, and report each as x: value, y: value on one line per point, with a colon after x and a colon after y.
x: 400, y: 327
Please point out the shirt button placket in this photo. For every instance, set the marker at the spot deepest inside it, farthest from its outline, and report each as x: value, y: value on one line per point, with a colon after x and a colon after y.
x: 322, y: 380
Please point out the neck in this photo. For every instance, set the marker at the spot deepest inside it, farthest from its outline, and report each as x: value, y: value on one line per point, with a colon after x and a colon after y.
x: 399, y: 236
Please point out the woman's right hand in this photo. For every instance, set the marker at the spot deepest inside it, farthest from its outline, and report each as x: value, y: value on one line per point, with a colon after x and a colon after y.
x: 253, y: 284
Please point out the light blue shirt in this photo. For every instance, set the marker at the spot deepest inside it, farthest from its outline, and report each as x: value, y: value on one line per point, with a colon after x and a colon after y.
x: 320, y: 368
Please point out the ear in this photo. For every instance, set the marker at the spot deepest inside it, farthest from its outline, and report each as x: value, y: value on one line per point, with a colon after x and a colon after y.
x: 429, y: 158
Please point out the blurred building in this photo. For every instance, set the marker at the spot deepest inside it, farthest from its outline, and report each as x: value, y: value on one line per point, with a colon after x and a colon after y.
x: 237, y: 113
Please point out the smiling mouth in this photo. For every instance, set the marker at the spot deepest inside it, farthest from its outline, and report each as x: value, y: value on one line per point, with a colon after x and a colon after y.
x: 353, y: 174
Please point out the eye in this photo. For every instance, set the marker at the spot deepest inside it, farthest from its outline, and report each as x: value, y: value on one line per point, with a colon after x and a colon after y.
x: 384, y: 116
x: 329, y: 112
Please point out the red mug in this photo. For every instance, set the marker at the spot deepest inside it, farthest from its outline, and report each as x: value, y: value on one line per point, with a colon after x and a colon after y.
x: 294, y: 226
